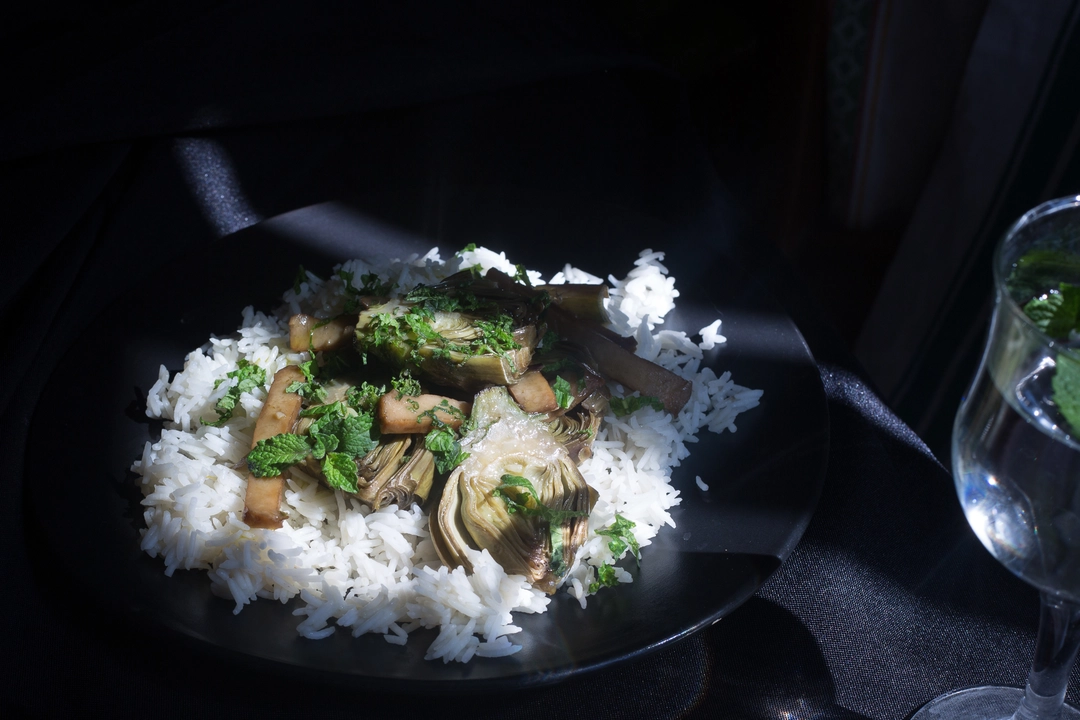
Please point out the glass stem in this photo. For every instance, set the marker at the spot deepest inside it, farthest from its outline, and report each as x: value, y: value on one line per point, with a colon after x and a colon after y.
x: 1055, y: 650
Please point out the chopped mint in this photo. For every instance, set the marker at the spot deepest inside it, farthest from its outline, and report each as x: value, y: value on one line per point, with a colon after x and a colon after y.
x: 521, y: 275
x: 406, y: 384
x: 621, y: 537
x: 310, y: 389
x: 248, y: 376
x: 625, y: 406
x: 605, y: 577
x: 365, y: 396
x: 443, y: 444
x: 564, y: 394
x: 356, y: 437
x: 525, y: 500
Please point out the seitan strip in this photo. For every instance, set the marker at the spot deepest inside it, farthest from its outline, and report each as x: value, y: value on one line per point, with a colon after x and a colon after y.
x: 262, y: 502
x: 307, y: 332
x: 403, y: 414
x: 533, y: 393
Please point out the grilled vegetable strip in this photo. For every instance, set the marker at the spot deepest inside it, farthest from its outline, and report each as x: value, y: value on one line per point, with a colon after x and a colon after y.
x: 533, y: 393
x: 310, y: 333
x: 402, y: 414
x: 623, y: 366
x: 262, y: 502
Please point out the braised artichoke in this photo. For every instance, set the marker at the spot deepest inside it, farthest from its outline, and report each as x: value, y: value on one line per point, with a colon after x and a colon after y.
x: 518, y: 495
x: 577, y: 429
x: 389, y: 476
x: 452, y: 346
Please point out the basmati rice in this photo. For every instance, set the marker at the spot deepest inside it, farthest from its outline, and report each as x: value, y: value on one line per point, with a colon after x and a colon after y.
x: 377, y: 571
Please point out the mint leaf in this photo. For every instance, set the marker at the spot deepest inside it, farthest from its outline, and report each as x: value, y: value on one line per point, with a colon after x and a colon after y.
x: 521, y: 275
x: 318, y: 411
x: 356, y: 437
x: 271, y: 456
x: 444, y: 446
x: 340, y: 471
x: 605, y: 577
x: 406, y: 384
x: 1066, y: 385
x: 558, y: 560
x: 365, y: 396
x: 1056, y: 312
x: 621, y: 537
x: 564, y: 394
x: 370, y: 283
x: 625, y: 406
x: 248, y: 376
x: 310, y: 389
x: 1041, y: 269
x: 527, y: 501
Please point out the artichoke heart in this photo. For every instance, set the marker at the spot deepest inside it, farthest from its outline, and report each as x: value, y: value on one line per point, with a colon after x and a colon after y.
x: 517, y: 495
x: 387, y: 475
x: 467, y: 350
x: 576, y: 431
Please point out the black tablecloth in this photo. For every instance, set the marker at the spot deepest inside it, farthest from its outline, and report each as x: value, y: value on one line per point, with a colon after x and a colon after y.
x: 142, y: 129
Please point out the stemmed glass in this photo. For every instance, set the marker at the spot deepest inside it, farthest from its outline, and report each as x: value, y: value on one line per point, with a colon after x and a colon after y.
x: 1016, y: 455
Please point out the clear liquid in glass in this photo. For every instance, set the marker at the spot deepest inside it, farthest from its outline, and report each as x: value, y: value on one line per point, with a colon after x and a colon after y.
x: 1018, y: 477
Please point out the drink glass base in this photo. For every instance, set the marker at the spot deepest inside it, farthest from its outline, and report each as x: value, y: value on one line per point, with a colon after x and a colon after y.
x: 983, y: 703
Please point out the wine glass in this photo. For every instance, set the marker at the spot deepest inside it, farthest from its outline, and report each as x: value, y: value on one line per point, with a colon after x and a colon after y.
x: 1016, y: 454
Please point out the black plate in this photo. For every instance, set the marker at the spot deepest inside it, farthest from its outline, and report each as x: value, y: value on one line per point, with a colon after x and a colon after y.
x: 764, y: 480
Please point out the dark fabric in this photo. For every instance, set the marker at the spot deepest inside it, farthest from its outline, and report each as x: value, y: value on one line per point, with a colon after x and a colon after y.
x: 887, y: 601
x: 1012, y: 144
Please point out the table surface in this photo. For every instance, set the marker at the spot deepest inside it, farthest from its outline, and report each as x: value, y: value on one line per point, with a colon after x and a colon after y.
x: 193, y: 125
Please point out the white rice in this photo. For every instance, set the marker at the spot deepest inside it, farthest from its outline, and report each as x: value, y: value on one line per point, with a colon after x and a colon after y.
x: 367, y: 571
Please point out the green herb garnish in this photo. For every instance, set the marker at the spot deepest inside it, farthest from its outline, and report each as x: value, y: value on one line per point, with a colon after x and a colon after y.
x: 605, y: 577
x: 564, y: 394
x: 444, y: 445
x: 406, y: 384
x: 364, y: 397
x: 370, y: 284
x: 521, y: 497
x: 248, y: 376
x: 335, y: 438
x: 521, y: 275
x: 271, y: 456
x: 625, y: 406
x: 621, y: 537
x: 442, y: 440
x: 311, y: 389
x: 1066, y: 386
x: 339, y: 469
